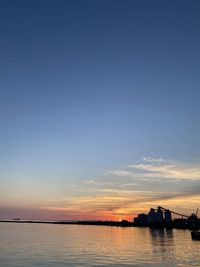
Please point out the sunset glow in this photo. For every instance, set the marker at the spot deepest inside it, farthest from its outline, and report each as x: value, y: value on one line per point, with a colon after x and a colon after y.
x: 99, y: 108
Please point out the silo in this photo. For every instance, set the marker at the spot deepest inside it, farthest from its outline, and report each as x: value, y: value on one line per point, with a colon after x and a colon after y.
x: 159, y: 215
x: 152, y: 216
x: 168, y: 216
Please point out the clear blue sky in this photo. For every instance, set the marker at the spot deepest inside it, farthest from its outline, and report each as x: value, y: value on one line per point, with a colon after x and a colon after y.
x: 90, y: 87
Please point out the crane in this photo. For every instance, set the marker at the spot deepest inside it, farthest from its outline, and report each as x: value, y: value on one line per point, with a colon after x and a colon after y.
x: 176, y: 213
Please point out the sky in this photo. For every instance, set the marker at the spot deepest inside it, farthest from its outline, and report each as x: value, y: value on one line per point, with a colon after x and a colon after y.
x: 99, y: 108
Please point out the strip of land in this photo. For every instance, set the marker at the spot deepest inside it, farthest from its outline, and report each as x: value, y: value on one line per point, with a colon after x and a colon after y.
x: 177, y: 223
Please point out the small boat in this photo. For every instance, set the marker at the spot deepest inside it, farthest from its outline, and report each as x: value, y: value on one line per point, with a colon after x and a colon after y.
x: 195, y: 235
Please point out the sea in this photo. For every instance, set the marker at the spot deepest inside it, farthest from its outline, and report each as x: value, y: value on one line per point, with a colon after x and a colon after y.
x: 45, y: 245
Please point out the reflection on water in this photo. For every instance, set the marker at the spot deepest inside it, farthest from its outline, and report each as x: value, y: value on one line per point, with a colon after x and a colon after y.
x: 162, y: 241
x: 75, y: 245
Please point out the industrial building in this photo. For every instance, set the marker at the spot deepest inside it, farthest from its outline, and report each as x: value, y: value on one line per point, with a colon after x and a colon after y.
x: 158, y: 217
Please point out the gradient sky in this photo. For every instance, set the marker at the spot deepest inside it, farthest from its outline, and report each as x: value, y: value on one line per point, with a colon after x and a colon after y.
x: 99, y: 108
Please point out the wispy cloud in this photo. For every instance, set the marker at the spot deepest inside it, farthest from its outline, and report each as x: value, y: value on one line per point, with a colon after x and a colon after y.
x: 126, y: 204
x: 158, y: 168
x: 133, y: 189
x: 91, y: 182
x: 98, y: 182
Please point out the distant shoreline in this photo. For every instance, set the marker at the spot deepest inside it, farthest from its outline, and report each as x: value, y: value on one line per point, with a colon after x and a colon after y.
x: 122, y: 223
x: 85, y: 222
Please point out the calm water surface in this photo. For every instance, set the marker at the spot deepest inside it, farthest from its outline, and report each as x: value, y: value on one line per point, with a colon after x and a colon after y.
x: 32, y: 245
